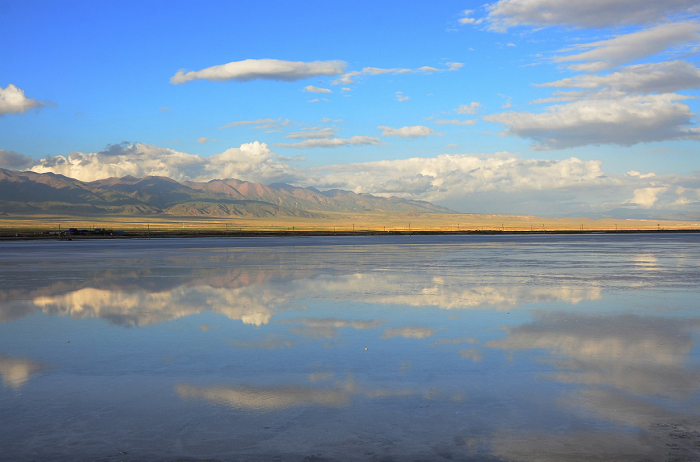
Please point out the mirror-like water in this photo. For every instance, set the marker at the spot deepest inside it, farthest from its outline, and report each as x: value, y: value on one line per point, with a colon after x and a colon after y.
x: 526, y: 348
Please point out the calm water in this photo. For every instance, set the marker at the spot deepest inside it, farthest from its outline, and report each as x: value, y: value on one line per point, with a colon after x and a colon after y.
x: 527, y: 348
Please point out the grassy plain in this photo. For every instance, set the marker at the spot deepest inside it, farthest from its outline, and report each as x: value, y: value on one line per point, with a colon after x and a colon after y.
x: 335, y: 222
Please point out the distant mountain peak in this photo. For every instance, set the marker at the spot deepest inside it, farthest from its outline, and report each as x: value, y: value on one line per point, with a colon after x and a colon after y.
x: 155, y: 194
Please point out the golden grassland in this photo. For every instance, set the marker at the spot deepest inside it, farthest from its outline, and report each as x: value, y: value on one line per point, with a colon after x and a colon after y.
x: 337, y: 222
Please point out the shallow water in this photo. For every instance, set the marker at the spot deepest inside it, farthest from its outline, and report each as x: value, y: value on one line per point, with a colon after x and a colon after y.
x: 520, y: 348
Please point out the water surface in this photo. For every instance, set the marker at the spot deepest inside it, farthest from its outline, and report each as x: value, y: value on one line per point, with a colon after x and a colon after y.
x: 520, y: 348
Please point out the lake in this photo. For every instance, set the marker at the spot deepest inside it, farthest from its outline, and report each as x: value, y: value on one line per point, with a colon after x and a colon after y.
x: 496, y: 348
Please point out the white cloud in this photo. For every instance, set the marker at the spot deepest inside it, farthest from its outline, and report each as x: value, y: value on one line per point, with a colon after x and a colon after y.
x: 274, y: 125
x: 333, y: 143
x: 604, y: 118
x: 646, y: 197
x: 626, y: 48
x: 414, y: 131
x: 314, y: 133
x: 13, y: 160
x: 641, y: 175
x: 312, y: 89
x: 455, y: 122
x: 252, y: 161
x: 13, y: 101
x: 471, y: 108
x: 400, y: 97
x: 591, y: 13
x: 467, y: 19
x: 643, y: 78
x: 204, y: 139
x: 250, y: 122
x: 266, y: 69
x: 349, y: 77
x: 508, y: 103
x: 487, y: 182
x: 346, y: 89
x: 457, y: 176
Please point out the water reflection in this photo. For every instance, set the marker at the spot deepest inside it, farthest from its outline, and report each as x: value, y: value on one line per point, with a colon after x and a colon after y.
x: 255, y: 300
x: 266, y: 399
x: 502, y: 350
x: 631, y: 371
x: 16, y: 372
x: 640, y: 355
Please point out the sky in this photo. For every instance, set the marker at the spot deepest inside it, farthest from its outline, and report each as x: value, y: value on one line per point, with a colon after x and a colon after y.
x: 544, y: 107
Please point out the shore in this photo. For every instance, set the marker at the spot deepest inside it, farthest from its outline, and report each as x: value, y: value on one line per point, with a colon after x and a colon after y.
x: 23, y: 235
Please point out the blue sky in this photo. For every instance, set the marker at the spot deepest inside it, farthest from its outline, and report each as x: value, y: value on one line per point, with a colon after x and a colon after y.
x: 98, y: 74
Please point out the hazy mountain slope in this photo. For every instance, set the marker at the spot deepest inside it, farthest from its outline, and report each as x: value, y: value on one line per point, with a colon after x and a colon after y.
x: 29, y: 192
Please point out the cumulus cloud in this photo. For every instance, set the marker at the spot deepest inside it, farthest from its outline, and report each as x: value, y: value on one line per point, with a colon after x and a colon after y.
x: 13, y: 160
x: 252, y: 161
x: 312, y: 89
x: 626, y: 48
x: 415, y: 131
x: 266, y: 69
x: 646, y: 197
x: 458, y: 175
x: 662, y: 77
x: 604, y: 118
x: 592, y: 13
x: 333, y: 143
x: 204, y: 140
x: 471, y: 108
x: 486, y: 182
x: 13, y: 101
x: 350, y: 77
x: 455, y: 122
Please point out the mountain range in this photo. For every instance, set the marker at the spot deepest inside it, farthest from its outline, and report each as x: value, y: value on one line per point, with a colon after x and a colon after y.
x: 49, y: 193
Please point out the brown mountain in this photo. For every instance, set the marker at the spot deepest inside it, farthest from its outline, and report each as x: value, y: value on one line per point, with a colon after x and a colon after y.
x: 30, y: 192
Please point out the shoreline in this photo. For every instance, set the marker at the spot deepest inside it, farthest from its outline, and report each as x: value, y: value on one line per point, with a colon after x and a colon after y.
x: 29, y: 236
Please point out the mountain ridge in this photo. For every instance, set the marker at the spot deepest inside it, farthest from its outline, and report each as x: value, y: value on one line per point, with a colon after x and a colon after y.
x: 31, y: 193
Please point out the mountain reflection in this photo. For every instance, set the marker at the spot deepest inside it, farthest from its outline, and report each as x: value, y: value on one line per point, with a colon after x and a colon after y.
x: 255, y: 296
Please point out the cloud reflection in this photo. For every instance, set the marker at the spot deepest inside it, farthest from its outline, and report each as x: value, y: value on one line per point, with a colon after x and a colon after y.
x: 266, y: 399
x: 255, y: 297
x: 641, y: 355
x: 16, y: 372
x: 409, y: 332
